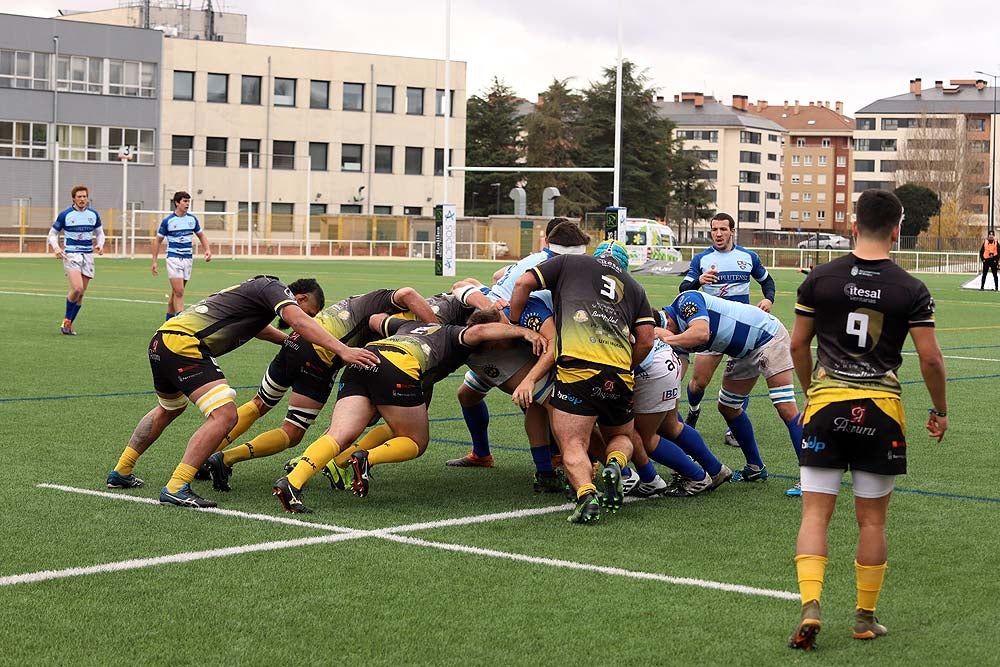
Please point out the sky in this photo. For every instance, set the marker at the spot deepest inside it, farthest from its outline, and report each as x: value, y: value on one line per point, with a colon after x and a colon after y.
x: 775, y: 50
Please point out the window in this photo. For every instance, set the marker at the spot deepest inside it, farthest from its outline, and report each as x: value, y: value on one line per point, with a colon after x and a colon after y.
x: 825, y: 142
x: 807, y: 178
x: 861, y: 186
x: 241, y: 215
x: 215, y: 151
x: 882, y: 144
x: 864, y: 124
x: 283, y: 155
x: 838, y: 216
x: 979, y: 146
x: 841, y: 179
x: 24, y: 139
x: 439, y: 160
x: 841, y: 160
x: 350, y: 157
x: 282, y: 217
x: 319, y: 94
x: 350, y: 208
x: 749, y: 177
x: 749, y: 197
x: 772, y: 195
x: 864, y: 165
x: 317, y: 209
x: 749, y: 216
x: 771, y: 176
x: 131, y: 78
x: 752, y: 157
x: 707, y: 156
x: 383, y: 159
x: 382, y: 210
x: 180, y: 149
x: 415, y: 101
x: 385, y: 99
x: 839, y: 198
x: 773, y: 157
x: 140, y: 140
x: 80, y: 74
x: 317, y: 155
x: 216, y: 222
x: 807, y: 196
x: 218, y: 88
x: 806, y: 215
x: 414, y: 164
x: 977, y: 125
x: 24, y: 69
x: 772, y: 137
x: 711, y: 136
x: 821, y: 160
x: 250, y: 90
x: 820, y: 197
x: 354, y: 97
x: 284, y: 92
x: 183, y: 85
x: 747, y: 137
x: 796, y: 160
x: 793, y: 215
x: 796, y: 179
x: 887, y: 165
x: 439, y: 103
x: 413, y: 210
x: 807, y: 161
x: 708, y: 174
x: 770, y: 215
x: 821, y: 179
x: 794, y: 195
x: 251, y: 146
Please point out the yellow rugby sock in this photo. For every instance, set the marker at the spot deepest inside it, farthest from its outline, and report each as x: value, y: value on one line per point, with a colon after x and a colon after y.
x: 126, y: 462
x: 265, y: 444
x: 183, y: 474
x: 810, y: 571
x: 870, y: 579
x: 246, y: 415
x: 317, y: 455
x: 396, y: 450
x: 584, y: 490
x: 619, y: 458
x: 372, y: 439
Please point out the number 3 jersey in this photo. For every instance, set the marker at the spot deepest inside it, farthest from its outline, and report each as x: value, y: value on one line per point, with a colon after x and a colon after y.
x: 863, y: 310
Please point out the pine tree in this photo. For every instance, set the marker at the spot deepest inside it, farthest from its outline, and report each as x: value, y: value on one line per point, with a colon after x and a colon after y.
x: 493, y: 127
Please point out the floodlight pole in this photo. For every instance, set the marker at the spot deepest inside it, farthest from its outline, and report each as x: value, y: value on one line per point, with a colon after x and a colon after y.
x: 618, y: 114
x: 993, y: 153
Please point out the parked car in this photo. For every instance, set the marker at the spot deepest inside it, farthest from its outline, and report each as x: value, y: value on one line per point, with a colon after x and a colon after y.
x: 826, y: 242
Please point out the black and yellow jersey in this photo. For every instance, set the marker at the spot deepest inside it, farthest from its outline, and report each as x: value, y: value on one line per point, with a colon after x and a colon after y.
x: 597, y: 307
x: 425, y: 352
x: 227, y: 319
x: 347, y: 320
x: 448, y: 308
x: 863, y: 310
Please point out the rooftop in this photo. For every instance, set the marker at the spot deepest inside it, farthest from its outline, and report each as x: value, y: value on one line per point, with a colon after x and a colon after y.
x: 811, y: 117
x: 697, y: 110
x: 965, y: 96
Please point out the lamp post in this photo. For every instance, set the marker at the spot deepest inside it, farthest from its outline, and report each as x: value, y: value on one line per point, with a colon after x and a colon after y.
x: 993, y: 152
x: 474, y: 196
x: 738, y: 192
x: 497, y: 186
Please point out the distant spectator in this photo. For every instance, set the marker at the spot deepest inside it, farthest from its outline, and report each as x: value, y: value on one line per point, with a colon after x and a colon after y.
x: 989, y: 253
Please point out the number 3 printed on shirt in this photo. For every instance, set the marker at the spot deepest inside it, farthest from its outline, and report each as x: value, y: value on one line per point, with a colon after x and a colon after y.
x: 609, y: 287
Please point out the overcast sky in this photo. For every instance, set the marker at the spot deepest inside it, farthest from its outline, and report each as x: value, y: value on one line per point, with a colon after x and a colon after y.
x: 776, y: 50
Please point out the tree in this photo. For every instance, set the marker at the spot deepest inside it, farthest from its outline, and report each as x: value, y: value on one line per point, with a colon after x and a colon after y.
x: 551, y: 140
x: 919, y: 204
x: 689, y: 198
x: 492, y: 130
x: 646, y: 142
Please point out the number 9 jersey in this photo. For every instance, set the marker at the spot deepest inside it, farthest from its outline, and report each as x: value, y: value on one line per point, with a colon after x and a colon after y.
x: 862, y: 311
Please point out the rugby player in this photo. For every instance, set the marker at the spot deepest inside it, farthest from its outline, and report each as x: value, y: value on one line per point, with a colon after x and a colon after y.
x: 83, y: 235
x: 178, y: 228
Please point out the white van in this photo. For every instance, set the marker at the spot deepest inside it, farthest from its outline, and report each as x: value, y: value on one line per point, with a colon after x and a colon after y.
x: 649, y: 240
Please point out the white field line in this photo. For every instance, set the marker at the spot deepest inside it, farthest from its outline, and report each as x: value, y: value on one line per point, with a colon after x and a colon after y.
x: 391, y: 534
x: 89, y: 298
x: 953, y: 356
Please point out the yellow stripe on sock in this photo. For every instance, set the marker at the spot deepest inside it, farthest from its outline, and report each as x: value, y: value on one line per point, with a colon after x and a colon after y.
x: 810, y: 571
x: 870, y: 578
x: 619, y: 458
x: 126, y: 462
x: 183, y: 474
x: 317, y: 455
x: 584, y: 490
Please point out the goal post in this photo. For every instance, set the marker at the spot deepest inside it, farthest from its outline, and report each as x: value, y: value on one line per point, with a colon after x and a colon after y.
x: 145, y: 222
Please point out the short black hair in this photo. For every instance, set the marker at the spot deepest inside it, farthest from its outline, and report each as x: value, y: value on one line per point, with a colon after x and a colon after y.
x: 179, y: 195
x: 483, y: 316
x: 567, y: 233
x: 553, y: 223
x: 307, y: 286
x: 879, y: 212
x: 724, y: 216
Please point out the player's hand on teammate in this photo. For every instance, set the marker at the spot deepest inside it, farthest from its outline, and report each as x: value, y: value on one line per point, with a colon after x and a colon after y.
x: 539, y: 343
x: 765, y: 305
x: 937, y: 424
x: 522, y: 394
x: 359, y: 357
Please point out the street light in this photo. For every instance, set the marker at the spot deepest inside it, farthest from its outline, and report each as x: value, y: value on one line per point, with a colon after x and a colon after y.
x: 993, y: 151
x: 497, y: 186
x: 475, y: 195
x: 738, y: 191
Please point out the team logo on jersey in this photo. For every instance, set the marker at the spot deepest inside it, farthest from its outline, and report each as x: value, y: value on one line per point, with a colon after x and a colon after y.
x: 580, y: 316
x: 201, y: 309
x: 813, y: 443
x: 855, y: 293
x: 491, y: 371
x: 534, y: 322
x: 426, y: 349
x: 858, y: 414
x: 931, y: 305
x: 689, y: 309
x: 435, y: 309
x: 344, y: 315
x: 743, y: 265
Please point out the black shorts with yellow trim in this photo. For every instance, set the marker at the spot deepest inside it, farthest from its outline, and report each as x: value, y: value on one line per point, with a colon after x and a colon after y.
x: 297, y: 365
x: 594, y: 391
x: 866, y: 434
x: 383, y: 384
x: 173, y: 372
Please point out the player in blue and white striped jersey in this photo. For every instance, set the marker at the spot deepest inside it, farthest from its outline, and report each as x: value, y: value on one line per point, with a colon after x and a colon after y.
x: 757, y: 344
x: 82, y: 236
x: 178, y: 228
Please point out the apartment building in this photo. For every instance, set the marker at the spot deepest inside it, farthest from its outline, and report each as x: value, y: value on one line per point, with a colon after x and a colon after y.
x: 816, y: 166
x: 70, y: 95
x: 937, y: 136
x: 741, y: 154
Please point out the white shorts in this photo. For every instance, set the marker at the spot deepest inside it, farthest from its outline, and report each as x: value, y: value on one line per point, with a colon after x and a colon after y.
x: 81, y: 262
x: 179, y: 268
x: 657, y: 388
x: 768, y: 360
x: 540, y: 393
x: 827, y: 480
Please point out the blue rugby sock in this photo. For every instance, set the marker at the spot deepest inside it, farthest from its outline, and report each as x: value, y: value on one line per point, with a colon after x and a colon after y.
x: 76, y: 310
x: 795, y: 433
x: 542, y: 457
x: 169, y: 315
x: 669, y: 454
x: 743, y: 431
x: 477, y: 419
x: 694, y: 445
x: 647, y: 473
x: 694, y: 398
x: 69, y: 309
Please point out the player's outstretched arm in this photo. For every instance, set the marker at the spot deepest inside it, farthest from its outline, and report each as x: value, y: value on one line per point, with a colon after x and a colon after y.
x: 316, y: 334
x: 411, y: 300
x: 272, y: 334
x: 523, y: 288
x: 696, y: 334
x: 643, y: 343
x: 483, y: 333
x: 935, y: 378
